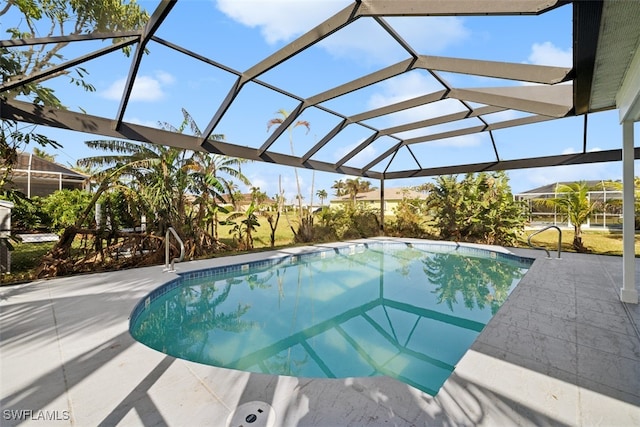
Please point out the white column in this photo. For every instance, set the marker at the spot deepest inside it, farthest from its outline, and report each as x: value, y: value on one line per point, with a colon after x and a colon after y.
x: 604, y: 206
x: 382, y: 203
x: 29, y: 176
x: 589, y: 202
x: 628, y: 292
x: 98, y: 215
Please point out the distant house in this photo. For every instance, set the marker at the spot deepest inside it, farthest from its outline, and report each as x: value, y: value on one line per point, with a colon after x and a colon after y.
x: 392, y: 196
x: 608, y: 196
x: 35, y: 176
x: 549, y: 190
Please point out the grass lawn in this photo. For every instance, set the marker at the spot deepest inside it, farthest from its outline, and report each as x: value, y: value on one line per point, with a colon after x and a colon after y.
x: 25, y: 258
x: 262, y: 235
x: 597, y: 242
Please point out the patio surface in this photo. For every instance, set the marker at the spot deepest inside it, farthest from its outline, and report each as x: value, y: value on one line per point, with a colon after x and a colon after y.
x: 563, y: 350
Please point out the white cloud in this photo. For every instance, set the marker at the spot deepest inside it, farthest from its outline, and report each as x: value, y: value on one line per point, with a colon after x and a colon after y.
x: 403, y: 87
x: 258, y: 182
x: 571, y: 150
x: 266, y: 178
x: 431, y: 35
x: 365, y: 156
x: 283, y: 20
x: 145, y: 88
x: 548, y: 54
x: 503, y: 116
x: 280, y: 20
x: 365, y: 40
x: 407, y: 86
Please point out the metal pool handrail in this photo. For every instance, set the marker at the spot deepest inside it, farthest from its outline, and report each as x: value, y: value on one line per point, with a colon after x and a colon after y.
x: 544, y: 249
x: 166, y: 250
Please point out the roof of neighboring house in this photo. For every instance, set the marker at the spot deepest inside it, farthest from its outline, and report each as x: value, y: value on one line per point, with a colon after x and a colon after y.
x: 389, y: 194
x: 246, y: 199
x: 38, y: 165
x: 592, y: 184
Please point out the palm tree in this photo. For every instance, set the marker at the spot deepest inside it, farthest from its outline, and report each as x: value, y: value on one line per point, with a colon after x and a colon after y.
x: 572, y: 199
x: 163, y: 176
x: 160, y: 181
x: 243, y: 230
x: 158, y: 173
x: 258, y: 196
x: 59, y: 257
x: 339, y: 187
x: 353, y: 187
x: 322, y: 194
x: 211, y: 175
x: 305, y: 222
x: 44, y: 155
x: 278, y: 121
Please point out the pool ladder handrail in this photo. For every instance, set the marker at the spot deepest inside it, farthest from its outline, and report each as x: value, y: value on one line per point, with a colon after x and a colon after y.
x: 166, y: 250
x: 545, y: 249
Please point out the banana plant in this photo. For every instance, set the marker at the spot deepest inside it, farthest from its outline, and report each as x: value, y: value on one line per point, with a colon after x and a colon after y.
x: 243, y: 229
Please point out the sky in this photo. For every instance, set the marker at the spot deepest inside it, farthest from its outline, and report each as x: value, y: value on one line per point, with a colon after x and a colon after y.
x: 239, y: 33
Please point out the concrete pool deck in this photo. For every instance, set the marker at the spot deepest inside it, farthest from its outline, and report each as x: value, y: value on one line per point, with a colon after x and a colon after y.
x: 563, y: 350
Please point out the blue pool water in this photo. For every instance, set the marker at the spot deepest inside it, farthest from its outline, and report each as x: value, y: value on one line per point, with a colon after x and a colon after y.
x: 406, y: 311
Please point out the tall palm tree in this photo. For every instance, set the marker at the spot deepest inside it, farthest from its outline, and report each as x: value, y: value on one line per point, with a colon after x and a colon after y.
x: 278, y: 121
x: 322, y: 194
x: 148, y: 168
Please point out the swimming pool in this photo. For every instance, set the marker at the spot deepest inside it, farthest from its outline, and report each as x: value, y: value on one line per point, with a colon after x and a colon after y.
x: 406, y: 310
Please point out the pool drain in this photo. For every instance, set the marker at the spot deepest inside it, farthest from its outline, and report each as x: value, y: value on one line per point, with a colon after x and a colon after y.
x: 252, y: 414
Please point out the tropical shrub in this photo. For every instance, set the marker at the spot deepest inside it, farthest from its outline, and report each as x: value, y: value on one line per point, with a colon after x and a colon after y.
x: 243, y: 225
x: 120, y: 209
x: 349, y: 222
x: 409, y: 220
x: 65, y: 206
x: 479, y: 208
x: 27, y: 214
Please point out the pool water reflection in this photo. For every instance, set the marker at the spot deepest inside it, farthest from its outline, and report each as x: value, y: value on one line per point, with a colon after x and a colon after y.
x: 387, y: 309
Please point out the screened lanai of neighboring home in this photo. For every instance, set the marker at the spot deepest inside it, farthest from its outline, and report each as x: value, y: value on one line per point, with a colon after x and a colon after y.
x: 453, y: 98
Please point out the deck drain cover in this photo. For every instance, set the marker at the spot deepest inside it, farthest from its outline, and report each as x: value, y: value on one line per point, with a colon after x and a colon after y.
x: 252, y: 414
